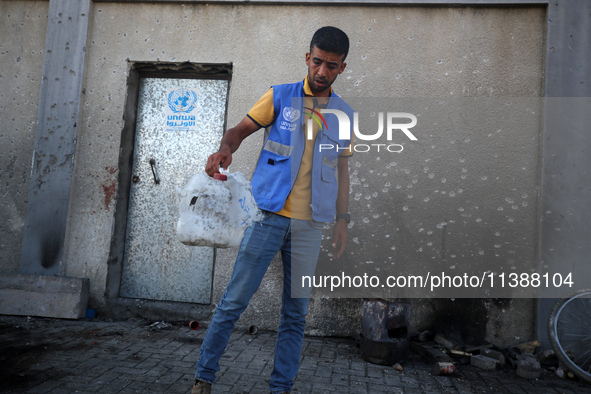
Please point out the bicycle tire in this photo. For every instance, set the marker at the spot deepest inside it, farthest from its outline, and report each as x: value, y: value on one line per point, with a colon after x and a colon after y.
x: 569, y: 330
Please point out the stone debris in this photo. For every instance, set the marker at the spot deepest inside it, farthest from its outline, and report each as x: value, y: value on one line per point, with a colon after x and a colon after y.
x: 528, y: 371
x: 497, y: 355
x: 440, y: 339
x: 560, y: 373
x: 547, y: 358
x: 430, y: 352
x: 484, y: 362
x: 522, y: 358
x: 528, y: 347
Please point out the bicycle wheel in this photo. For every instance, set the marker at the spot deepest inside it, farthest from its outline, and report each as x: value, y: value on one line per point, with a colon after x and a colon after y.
x: 569, y: 330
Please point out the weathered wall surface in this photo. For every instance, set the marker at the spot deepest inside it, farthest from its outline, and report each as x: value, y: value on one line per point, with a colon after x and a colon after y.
x: 395, y: 52
x: 22, y: 30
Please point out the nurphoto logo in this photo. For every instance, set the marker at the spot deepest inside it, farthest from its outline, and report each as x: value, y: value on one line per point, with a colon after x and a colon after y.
x: 392, y: 124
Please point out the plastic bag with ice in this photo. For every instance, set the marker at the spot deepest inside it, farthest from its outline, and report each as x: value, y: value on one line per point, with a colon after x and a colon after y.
x: 214, y: 212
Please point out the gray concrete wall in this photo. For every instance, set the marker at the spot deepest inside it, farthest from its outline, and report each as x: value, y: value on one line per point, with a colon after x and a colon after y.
x: 55, y: 138
x: 395, y: 52
x: 22, y: 30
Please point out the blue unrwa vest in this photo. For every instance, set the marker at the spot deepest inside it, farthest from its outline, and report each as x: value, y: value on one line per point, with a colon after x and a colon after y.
x: 283, y: 148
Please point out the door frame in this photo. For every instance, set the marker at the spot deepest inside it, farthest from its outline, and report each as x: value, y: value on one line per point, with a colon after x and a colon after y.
x: 137, y: 71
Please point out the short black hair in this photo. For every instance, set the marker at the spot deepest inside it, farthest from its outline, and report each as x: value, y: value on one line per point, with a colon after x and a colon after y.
x: 331, y: 39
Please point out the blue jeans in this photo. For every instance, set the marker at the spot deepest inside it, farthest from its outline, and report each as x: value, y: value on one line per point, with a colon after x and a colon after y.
x: 299, y: 243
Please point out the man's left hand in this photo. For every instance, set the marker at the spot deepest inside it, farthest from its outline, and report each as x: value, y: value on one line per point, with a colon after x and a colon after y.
x: 339, y: 238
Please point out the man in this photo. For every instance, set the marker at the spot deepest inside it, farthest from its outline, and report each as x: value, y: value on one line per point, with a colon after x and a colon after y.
x: 295, y: 186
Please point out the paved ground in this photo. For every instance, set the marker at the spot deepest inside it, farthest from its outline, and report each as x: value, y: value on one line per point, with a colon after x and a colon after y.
x: 135, y: 356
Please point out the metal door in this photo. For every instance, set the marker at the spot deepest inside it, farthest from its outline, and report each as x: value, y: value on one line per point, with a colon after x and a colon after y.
x: 179, y: 124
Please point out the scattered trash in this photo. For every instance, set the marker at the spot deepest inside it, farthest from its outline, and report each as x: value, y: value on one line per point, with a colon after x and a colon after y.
x: 159, y: 325
x: 446, y: 355
x: 459, y: 353
x: 194, y: 325
x: 444, y: 368
x: 398, y: 367
x: 528, y: 347
x: 252, y: 330
x: 90, y: 313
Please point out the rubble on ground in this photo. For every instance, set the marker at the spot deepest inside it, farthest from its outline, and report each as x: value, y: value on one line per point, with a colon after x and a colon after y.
x: 526, y: 359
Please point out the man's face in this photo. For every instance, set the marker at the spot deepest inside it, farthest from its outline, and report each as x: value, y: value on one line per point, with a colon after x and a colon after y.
x: 323, y: 69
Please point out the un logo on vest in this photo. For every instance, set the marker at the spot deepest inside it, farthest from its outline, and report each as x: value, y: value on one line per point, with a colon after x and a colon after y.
x: 291, y: 114
x: 182, y: 100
